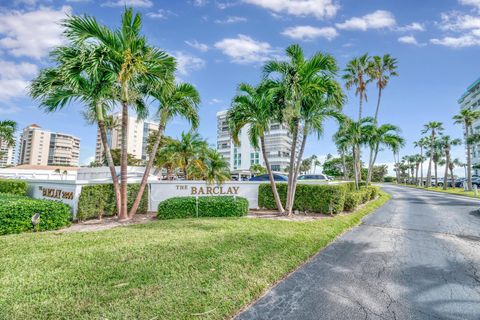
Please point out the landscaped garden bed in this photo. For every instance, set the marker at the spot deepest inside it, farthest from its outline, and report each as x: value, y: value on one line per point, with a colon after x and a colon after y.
x: 169, y: 269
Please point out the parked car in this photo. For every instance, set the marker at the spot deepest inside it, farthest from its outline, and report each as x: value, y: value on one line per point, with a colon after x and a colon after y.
x: 264, y: 177
x: 313, y: 177
x: 450, y: 183
x: 459, y: 182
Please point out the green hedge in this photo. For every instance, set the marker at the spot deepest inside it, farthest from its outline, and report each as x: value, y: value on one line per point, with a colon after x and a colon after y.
x: 97, y: 201
x: 16, y: 213
x: 308, y: 197
x: 11, y: 186
x: 186, y: 207
x: 352, y: 201
x: 389, y: 179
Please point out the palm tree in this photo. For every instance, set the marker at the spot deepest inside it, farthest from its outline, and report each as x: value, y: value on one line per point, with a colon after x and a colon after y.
x: 181, y: 100
x: 7, y: 133
x: 452, y: 164
x: 434, y: 127
x: 422, y: 144
x: 381, y: 69
x: 446, y: 143
x: 354, y: 134
x: 355, y: 74
x: 467, y: 117
x: 132, y: 62
x: 418, y: 159
x: 71, y: 80
x: 377, y: 136
x: 188, y: 150
x: 310, y: 94
x: 253, y: 107
x: 217, y: 169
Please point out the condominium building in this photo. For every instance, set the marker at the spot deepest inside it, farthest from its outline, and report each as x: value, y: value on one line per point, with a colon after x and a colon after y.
x: 7, y: 155
x: 38, y: 146
x: 138, y: 133
x: 277, y: 144
x: 470, y: 99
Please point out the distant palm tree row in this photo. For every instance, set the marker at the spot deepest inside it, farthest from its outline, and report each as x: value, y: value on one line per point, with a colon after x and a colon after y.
x: 436, y: 147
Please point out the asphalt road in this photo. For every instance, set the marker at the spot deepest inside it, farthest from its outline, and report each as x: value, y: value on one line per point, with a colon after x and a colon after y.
x: 417, y: 257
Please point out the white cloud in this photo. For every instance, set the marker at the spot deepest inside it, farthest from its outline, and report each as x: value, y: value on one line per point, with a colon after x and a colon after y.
x: 455, y: 21
x: 317, y: 8
x: 475, y: 3
x: 231, y: 19
x: 244, y: 49
x: 33, y: 33
x: 457, y: 42
x: 198, y: 45
x: 408, y: 40
x: 414, y: 26
x: 200, y: 3
x: 376, y: 20
x: 129, y: 3
x: 187, y: 63
x: 225, y: 5
x: 215, y: 101
x: 160, y: 14
x: 310, y: 33
x: 14, y: 78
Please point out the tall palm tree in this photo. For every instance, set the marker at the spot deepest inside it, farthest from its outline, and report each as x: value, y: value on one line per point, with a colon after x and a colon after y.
x: 378, y: 136
x: 132, y: 62
x: 446, y: 144
x: 7, y: 133
x: 422, y: 144
x: 434, y: 128
x: 452, y: 164
x: 181, y: 100
x: 380, y: 70
x: 356, y: 74
x: 310, y: 94
x: 187, y: 150
x: 216, y: 167
x: 467, y: 117
x: 72, y: 79
x: 252, y: 106
x: 418, y: 159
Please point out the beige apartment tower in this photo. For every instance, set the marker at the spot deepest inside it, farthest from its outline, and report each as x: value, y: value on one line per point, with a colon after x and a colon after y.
x: 138, y: 132
x: 38, y: 146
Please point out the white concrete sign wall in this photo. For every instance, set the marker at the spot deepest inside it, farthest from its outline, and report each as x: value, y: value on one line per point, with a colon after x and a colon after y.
x: 65, y: 191
x: 163, y: 190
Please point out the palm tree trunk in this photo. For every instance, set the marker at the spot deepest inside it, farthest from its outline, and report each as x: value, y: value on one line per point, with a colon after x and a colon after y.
x: 299, y: 161
x: 360, y: 107
x: 146, y: 174
x: 292, y: 163
x: 344, y: 166
x: 436, y: 173
x: 429, y: 173
x: 278, y: 202
x: 355, y: 168
x: 378, y: 103
x: 421, y: 166
x: 111, y: 165
x: 123, y: 214
x: 469, y: 159
x: 451, y: 176
x: 369, y: 173
x: 372, y: 163
x: 416, y: 173
x: 395, y: 163
x: 447, y: 164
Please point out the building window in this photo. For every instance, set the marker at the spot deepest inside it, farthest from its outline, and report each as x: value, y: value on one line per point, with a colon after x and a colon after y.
x: 254, y: 158
x: 275, y: 167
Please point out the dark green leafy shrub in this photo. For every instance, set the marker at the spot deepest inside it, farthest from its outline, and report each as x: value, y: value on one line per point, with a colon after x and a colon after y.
x: 186, y: 207
x: 308, y: 197
x: 364, y: 195
x: 97, y: 201
x: 374, y: 191
x: 352, y: 200
x: 16, y: 213
x: 389, y: 179
x: 11, y: 186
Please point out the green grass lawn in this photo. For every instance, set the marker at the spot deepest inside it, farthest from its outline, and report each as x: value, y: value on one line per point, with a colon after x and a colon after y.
x: 172, y: 269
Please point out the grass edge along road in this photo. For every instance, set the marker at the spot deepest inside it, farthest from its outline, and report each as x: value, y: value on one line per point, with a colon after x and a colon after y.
x: 175, y: 269
x: 454, y: 191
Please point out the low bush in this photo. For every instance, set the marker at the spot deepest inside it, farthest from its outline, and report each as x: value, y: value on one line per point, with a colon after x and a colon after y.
x: 186, y: 207
x: 11, y: 186
x: 16, y: 213
x: 97, y: 201
x: 389, y: 179
x: 352, y: 200
x: 324, y: 199
x: 374, y: 191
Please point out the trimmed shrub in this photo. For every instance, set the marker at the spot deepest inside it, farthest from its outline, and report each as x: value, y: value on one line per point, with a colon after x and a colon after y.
x: 186, y: 207
x: 389, y: 179
x: 11, y: 186
x: 16, y: 213
x: 352, y: 200
x: 374, y: 191
x: 97, y: 201
x: 324, y: 199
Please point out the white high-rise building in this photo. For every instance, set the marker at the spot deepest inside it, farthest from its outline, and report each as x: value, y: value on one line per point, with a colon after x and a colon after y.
x: 7, y: 155
x: 138, y: 132
x: 471, y: 100
x: 277, y: 144
x: 38, y: 146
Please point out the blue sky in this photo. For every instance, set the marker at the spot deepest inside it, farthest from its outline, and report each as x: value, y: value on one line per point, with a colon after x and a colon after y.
x: 219, y: 44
